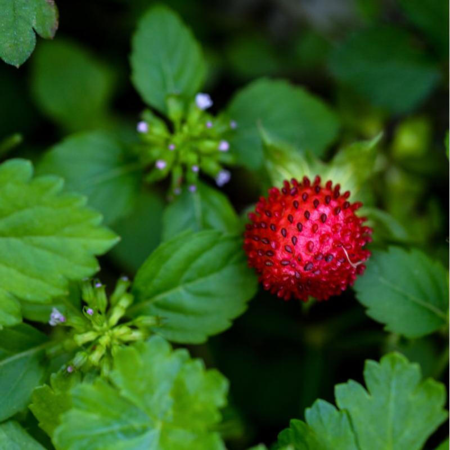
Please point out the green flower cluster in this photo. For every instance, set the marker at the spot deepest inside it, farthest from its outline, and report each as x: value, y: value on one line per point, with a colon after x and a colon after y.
x: 97, y: 333
x: 193, y: 142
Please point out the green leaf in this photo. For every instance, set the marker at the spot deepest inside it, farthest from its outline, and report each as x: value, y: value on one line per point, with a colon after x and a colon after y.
x: 197, y: 283
x: 443, y: 446
x: 95, y: 164
x: 406, y: 291
x: 201, y: 210
x: 18, y: 22
x: 47, y: 237
x: 71, y: 86
x: 432, y: 18
x: 381, y: 65
x: 140, y: 231
x: 21, y: 367
x: 397, y: 410
x: 50, y: 402
x: 351, y: 167
x: 326, y: 428
x: 287, y: 113
x: 160, y: 399
x: 166, y: 59
x: 388, y: 228
x: 14, y: 437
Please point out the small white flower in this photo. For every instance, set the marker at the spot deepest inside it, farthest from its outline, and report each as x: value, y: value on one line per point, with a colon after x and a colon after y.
x: 203, y: 101
x: 70, y: 369
x: 160, y: 164
x: 142, y: 127
x: 224, y: 146
x: 223, y: 177
x: 56, y: 318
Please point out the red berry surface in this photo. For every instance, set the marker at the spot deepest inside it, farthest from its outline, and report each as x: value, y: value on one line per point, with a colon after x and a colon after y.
x: 306, y: 240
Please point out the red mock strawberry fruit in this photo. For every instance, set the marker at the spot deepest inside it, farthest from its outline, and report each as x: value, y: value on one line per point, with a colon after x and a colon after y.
x: 306, y: 240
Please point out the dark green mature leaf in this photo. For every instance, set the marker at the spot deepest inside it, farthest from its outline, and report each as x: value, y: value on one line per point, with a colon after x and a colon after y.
x: 166, y: 59
x: 140, y: 231
x: 47, y: 237
x: 382, y: 65
x: 287, y: 113
x: 70, y: 85
x: 432, y: 18
x: 197, y: 283
x: 397, y: 411
x: 161, y: 399
x: 96, y: 165
x: 21, y: 367
x: 201, y: 210
x: 49, y: 402
x: 14, y: 437
x: 406, y: 291
x: 18, y: 22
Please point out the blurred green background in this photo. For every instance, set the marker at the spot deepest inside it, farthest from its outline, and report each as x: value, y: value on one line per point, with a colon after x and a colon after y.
x: 381, y: 65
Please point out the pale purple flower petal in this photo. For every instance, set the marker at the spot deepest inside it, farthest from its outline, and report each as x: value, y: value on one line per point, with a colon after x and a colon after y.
x: 203, y: 101
x: 224, y: 146
x: 223, y: 177
x: 171, y: 147
x: 209, y: 124
x: 56, y: 318
x: 142, y: 127
x: 233, y: 124
x: 90, y: 311
x: 160, y: 164
x: 192, y: 188
x: 195, y: 168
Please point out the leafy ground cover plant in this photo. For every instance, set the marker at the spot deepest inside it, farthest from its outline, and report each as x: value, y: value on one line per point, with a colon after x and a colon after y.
x: 130, y: 246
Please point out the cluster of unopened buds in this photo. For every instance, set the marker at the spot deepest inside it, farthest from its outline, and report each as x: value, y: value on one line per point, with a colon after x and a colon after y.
x: 98, y: 332
x: 195, y: 143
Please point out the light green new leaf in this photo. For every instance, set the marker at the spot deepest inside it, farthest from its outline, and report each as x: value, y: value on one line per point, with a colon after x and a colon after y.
x: 381, y: 65
x: 166, y: 59
x: 21, y: 367
x: 288, y: 113
x: 160, y: 399
x: 96, y: 164
x: 326, y: 428
x: 397, y: 411
x: 49, y: 402
x: 207, y: 208
x: 197, y: 283
x: 19, y: 20
x: 47, y: 237
x: 14, y: 437
x: 406, y: 291
x: 351, y: 167
x: 70, y: 85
